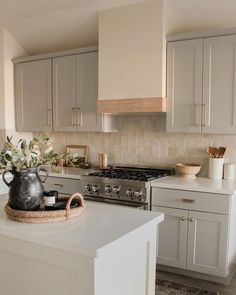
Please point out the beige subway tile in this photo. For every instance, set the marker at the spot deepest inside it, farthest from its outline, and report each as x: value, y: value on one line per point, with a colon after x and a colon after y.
x: 142, y: 139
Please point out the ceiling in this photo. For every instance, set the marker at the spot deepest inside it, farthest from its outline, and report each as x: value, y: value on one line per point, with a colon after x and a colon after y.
x: 194, y: 15
x: 51, y: 25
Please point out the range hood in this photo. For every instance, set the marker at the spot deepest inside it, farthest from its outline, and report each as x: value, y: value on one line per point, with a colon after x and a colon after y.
x: 132, y: 59
x: 132, y: 105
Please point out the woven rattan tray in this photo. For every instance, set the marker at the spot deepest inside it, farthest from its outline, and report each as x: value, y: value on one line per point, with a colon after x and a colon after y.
x: 48, y: 216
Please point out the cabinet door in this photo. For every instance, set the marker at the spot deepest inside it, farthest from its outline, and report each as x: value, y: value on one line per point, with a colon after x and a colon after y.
x: 87, y: 93
x: 207, y: 243
x: 219, y: 85
x: 172, y: 240
x: 33, y: 100
x: 3, y: 187
x: 63, y: 185
x: 184, y: 86
x: 64, y: 93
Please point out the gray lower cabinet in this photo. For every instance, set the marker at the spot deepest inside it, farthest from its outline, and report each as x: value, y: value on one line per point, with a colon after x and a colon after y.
x: 65, y: 186
x: 196, y: 234
x: 33, y: 96
x: 172, y: 244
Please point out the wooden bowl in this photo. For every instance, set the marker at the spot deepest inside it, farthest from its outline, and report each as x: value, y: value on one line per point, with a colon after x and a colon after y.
x: 188, y: 170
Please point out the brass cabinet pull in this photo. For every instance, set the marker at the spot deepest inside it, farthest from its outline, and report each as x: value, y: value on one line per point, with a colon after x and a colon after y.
x: 204, y: 114
x: 184, y: 219
x: 205, y: 118
x: 196, y: 115
x: 79, y: 119
x: 189, y: 201
x: 58, y: 185
x: 73, y: 117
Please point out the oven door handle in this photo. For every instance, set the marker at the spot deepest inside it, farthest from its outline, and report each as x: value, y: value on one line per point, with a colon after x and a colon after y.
x: 143, y: 206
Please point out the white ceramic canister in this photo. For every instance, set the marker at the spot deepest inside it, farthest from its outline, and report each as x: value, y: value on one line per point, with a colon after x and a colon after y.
x: 229, y: 171
x: 215, y: 168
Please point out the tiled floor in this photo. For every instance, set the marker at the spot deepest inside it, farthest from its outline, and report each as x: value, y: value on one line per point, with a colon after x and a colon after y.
x: 222, y: 289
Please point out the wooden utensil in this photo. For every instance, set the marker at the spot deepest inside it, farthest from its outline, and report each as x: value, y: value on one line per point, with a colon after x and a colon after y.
x: 211, y: 151
x: 222, y: 151
x: 214, y: 152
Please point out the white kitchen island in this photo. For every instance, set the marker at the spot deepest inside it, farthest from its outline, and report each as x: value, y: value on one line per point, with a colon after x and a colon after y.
x: 109, y: 250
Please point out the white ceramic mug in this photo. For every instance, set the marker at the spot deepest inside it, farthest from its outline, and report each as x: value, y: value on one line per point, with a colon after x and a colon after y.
x: 215, y: 168
x: 229, y: 171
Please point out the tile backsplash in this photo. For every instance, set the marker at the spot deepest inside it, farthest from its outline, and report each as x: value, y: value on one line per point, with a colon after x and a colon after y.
x: 2, y: 135
x: 142, y: 140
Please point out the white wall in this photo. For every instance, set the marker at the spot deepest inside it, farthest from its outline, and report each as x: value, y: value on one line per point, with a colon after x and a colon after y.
x: 195, y: 15
x: 2, y: 107
x: 11, y: 49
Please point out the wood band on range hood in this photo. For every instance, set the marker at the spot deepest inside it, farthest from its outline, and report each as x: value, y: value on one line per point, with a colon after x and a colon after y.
x: 132, y: 105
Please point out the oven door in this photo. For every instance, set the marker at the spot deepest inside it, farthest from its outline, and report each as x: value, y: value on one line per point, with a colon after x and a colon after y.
x: 117, y: 202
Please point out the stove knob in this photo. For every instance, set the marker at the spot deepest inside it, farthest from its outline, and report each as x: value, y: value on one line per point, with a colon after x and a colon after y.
x: 108, y: 189
x: 95, y: 188
x: 129, y: 192
x: 116, y: 189
x: 137, y: 194
x: 87, y: 187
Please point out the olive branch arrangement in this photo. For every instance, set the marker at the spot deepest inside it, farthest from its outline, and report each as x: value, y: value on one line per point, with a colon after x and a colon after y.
x: 39, y: 151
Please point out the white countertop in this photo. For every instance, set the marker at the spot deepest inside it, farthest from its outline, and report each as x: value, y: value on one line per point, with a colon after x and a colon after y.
x: 64, y: 172
x: 99, y: 226
x: 200, y: 184
x: 67, y: 172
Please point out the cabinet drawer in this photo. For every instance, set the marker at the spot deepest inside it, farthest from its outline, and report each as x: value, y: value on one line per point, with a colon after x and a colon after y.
x: 63, y: 185
x: 191, y: 200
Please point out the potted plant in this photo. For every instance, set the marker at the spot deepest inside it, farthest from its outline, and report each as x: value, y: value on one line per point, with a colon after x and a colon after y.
x: 24, y: 160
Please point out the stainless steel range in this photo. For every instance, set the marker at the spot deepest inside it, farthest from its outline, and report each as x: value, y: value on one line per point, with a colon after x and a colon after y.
x: 122, y: 185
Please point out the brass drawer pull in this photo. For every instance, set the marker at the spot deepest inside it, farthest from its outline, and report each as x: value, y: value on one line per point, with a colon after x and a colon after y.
x: 196, y: 115
x: 191, y: 219
x: 58, y: 185
x: 183, y: 218
x: 191, y: 201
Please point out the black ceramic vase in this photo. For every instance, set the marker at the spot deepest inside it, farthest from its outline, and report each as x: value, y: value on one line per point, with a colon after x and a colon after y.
x: 26, y: 189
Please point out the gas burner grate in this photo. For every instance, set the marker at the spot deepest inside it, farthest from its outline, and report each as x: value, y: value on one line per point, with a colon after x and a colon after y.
x: 133, y: 174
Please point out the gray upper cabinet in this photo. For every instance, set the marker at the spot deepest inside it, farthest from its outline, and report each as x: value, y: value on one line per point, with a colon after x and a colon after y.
x: 75, y: 91
x: 184, y: 86
x: 64, y: 93
x: 219, y: 85
x: 71, y: 104
x: 75, y: 94
x: 33, y: 103
x: 87, y: 93
x: 201, y: 85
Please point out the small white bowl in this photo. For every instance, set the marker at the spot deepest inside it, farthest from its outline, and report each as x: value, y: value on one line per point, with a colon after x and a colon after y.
x: 188, y: 170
